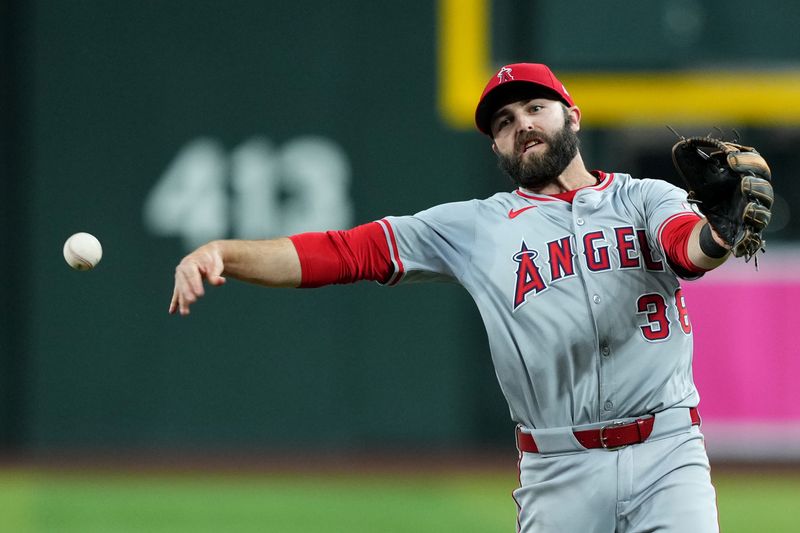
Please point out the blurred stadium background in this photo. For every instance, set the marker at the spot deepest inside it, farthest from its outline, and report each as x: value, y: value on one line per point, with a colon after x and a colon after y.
x: 160, y: 125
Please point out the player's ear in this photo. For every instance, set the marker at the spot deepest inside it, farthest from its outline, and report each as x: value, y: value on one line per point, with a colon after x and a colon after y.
x: 574, y: 116
x: 494, y: 148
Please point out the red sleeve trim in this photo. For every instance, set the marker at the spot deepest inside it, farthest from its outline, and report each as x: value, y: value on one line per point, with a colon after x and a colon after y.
x: 671, y: 219
x: 674, y: 236
x: 336, y: 257
x: 397, y: 263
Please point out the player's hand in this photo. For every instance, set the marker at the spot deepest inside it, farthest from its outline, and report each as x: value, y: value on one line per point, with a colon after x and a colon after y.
x: 204, y: 263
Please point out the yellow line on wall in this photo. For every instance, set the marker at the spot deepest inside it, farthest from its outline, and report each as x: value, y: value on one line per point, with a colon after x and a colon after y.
x: 746, y: 97
x: 728, y: 97
x: 463, y: 55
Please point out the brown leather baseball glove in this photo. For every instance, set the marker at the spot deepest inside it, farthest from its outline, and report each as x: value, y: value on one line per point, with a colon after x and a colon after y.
x: 730, y: 184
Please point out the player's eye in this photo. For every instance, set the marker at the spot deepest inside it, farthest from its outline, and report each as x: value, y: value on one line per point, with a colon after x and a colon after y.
x: 535, y: 107
x: 502, y: 123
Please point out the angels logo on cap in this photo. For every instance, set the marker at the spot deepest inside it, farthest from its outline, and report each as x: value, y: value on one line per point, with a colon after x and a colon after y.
x: 505, y: 74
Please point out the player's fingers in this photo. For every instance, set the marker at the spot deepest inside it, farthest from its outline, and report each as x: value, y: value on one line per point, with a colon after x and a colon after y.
x: 184, y: 293
x: 179, y: 303
x: 185, y: 299
x: 214, y: 270
x: 190, y: 285
x: 192, y: 275
x: 173, y: 303
x: 216, y: 280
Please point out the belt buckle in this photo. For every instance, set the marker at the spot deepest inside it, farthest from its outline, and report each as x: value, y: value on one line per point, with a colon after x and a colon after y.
x: 603, y: 438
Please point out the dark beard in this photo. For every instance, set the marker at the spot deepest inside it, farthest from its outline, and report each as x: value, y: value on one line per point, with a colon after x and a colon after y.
x: 537, y: 171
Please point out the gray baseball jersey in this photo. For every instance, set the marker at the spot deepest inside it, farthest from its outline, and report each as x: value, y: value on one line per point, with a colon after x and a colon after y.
x: 584, y: 315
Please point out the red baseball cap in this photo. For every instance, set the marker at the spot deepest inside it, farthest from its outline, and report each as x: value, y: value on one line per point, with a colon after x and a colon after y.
x: 515, y: 82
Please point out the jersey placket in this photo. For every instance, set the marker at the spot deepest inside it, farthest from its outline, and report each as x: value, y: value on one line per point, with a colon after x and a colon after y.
x: 593, y: 266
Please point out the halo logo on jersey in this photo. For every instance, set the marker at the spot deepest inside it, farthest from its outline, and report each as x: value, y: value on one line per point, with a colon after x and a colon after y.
x: 528, y: 276
x: 504, y: 75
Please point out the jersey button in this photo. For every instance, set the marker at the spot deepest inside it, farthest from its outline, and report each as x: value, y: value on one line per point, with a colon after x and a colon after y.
x: 596, y: 298
x: 579, y: 221
x: 606, y: 351
x: 609, y: 405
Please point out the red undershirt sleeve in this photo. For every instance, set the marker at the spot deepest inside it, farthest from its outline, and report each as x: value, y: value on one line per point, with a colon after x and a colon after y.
x: 337, y: 257
x: 675, y: 241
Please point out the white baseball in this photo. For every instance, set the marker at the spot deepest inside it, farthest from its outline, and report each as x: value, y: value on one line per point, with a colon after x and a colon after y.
x: 83, y: 251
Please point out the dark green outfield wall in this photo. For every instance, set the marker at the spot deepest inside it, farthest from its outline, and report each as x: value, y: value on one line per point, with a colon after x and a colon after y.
x: 301, y: 115
x: 115, y: 92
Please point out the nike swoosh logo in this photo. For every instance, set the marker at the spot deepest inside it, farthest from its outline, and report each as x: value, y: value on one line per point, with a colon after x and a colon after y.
x: 513, y: 213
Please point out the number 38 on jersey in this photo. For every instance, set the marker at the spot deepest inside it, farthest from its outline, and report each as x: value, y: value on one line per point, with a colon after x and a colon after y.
x: 657, y: 312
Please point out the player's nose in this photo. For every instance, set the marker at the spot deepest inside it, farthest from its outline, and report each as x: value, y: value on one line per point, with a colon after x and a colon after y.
x: 525, y: 122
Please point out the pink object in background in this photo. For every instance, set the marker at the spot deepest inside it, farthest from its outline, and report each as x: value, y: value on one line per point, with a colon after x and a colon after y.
x: 746, y: 354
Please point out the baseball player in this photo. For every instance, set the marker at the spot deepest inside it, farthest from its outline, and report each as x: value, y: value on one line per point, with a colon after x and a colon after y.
x: 575, y: 274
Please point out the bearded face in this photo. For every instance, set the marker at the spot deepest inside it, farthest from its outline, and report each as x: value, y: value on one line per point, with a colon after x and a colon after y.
x: 534, y: 169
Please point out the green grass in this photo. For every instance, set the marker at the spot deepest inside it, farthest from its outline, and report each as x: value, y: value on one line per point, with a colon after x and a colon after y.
x: 756, y: 502
x: 53, y: 502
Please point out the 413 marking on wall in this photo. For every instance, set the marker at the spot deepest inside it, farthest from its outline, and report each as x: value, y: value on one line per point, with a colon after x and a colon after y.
x: 255, y: 191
